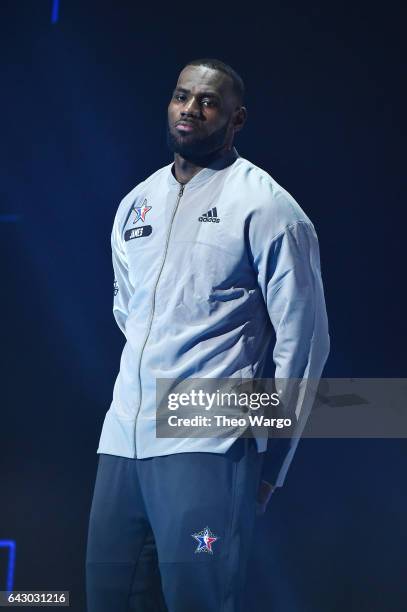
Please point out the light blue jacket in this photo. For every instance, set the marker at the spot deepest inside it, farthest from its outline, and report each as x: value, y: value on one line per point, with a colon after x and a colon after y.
x: 203, y: 272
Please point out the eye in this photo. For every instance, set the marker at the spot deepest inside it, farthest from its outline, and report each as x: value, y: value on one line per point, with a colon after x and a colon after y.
x: 179, y: 96
x: 208, y: 102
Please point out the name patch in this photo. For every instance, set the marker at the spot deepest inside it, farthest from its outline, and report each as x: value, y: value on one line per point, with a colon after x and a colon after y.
x: 138, y: 232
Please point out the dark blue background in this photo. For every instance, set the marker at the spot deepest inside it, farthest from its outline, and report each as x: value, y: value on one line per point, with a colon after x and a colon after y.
x: 83, y: 110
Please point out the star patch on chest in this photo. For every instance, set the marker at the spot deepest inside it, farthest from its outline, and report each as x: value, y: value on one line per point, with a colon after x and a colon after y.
x: 141, y: 211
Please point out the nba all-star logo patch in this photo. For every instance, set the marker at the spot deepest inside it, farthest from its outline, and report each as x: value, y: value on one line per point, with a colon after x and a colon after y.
x: 141, y: 211
x: 205, y: 539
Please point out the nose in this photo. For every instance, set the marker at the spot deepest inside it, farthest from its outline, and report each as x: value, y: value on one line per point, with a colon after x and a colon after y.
x: 191, y: 108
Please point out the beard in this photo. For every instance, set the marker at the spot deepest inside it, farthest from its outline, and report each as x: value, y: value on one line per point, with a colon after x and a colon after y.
x: 197, y: 149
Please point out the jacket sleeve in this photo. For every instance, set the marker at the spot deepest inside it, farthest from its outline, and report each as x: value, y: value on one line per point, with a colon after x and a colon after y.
x: 122, y: 289
x: 289, y: 275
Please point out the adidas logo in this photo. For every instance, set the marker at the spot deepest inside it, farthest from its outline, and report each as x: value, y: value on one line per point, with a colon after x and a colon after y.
x: 211, y: 216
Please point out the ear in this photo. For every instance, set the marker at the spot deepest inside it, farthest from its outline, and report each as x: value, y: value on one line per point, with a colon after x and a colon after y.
x: 240, y: 117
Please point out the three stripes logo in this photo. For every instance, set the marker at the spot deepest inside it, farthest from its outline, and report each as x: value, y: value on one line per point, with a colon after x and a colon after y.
x: 211, y: 216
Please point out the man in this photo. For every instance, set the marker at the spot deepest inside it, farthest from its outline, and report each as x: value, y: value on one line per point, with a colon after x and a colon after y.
x: 209, y: 254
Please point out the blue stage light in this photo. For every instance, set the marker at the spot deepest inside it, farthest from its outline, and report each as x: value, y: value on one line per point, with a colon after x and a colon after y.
x: 55, y: 11
x: 11, y: 545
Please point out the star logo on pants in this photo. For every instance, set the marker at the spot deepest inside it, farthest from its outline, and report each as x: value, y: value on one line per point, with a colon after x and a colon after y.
x: 205, y: 539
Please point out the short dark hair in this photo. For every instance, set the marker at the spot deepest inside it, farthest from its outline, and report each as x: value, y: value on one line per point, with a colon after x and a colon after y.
x: 215, y: 64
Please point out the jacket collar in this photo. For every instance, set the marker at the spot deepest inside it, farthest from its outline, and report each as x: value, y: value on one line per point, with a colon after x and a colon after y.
x: 206, y: 173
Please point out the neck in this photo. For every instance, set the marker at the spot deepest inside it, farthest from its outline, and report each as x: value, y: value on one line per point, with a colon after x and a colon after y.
x: 185, y: 169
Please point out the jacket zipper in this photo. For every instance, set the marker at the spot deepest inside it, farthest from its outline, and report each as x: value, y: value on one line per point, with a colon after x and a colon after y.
x: 180, y: 192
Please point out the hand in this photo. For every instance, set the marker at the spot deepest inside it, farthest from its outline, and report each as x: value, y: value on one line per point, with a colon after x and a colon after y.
x: 264, y: 493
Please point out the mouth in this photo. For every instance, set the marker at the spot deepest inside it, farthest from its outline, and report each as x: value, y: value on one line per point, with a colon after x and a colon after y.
x: 185, y: 126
